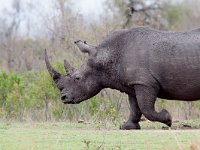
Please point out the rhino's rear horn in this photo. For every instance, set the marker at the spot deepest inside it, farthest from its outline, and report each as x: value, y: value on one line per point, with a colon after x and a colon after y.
x: 85, y: 48
x: 53, y: 73
x: 68, y: 68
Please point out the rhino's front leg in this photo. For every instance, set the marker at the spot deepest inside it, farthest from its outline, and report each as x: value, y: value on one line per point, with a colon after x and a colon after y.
x: 146, y: 97
x: 134, y: 117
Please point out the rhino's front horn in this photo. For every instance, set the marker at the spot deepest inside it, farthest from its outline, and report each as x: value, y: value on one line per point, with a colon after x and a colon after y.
x: 54, y: 74
x: 85, y: 48
x: 68, y: 68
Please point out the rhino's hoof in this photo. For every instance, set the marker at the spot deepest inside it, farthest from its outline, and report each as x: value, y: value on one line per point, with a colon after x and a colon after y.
x: 130, y: 126
x: 168, y: 117
x: 168, y: 123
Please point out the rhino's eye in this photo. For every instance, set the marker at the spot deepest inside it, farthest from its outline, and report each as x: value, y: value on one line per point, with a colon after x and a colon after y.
x: 77, y: 78
x: 62, y: 87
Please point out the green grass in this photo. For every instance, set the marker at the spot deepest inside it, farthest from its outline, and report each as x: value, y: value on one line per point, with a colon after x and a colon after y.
x: 64, y: 136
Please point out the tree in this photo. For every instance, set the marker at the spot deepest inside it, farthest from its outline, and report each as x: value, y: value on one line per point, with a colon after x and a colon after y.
x: 138, y: 12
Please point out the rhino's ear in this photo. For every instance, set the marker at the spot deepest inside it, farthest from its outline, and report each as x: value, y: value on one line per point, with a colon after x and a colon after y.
x: 85, y: 48
x: 68, y: 68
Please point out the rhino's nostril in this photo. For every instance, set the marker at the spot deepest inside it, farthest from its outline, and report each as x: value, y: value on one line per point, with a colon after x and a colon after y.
x: 63, y: 97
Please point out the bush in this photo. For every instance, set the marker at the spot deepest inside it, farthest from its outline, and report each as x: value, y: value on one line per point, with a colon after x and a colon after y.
x: 11, y: 94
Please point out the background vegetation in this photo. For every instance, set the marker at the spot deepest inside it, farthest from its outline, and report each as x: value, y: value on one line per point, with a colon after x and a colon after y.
x: 26, y: 91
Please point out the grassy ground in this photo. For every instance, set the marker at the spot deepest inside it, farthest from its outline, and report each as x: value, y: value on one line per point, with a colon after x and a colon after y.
x: 64, y: 136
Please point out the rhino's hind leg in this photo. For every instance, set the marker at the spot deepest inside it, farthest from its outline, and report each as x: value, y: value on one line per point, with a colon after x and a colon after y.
x: 146, y: 97
x: 134, y: 117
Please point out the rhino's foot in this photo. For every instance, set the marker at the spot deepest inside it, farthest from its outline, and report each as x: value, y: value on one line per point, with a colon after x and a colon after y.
x: 168, y: 120
x: 130, y: 126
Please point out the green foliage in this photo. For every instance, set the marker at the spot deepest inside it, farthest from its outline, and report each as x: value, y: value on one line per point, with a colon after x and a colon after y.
x: 43, y: 89
x: 7, y: 83
x: 174, y: 14
x: 11, y: 94
x: 28, y: 91
x: 102, y: 110
x: 95, y: 104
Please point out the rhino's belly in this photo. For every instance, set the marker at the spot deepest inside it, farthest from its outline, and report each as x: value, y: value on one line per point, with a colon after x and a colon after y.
x: 172, y: 95
x: 184, y: 89
x: 180, y: 79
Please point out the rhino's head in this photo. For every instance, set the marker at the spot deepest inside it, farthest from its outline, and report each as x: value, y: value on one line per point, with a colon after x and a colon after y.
x: 77, y: 85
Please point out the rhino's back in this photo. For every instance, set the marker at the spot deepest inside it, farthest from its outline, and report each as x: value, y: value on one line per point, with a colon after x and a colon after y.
x: 172, y: 59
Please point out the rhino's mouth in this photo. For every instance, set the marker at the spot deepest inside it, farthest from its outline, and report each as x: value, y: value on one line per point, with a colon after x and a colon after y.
x: 66, y: 99
x: 70, y: 101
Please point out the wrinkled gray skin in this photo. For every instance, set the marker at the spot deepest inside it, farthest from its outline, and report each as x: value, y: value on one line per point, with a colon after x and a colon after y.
x: 143, y: 63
